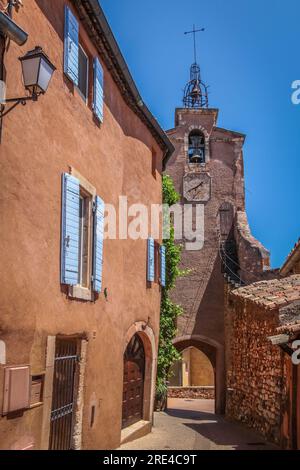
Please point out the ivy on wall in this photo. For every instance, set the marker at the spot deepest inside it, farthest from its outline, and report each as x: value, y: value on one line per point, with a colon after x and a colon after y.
x: 167, y: 353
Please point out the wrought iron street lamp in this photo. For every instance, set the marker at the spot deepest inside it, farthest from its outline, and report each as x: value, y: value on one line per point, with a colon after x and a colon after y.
x: 37, y: 72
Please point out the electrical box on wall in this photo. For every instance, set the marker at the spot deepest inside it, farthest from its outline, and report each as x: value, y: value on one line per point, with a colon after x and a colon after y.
x: 17, y: 383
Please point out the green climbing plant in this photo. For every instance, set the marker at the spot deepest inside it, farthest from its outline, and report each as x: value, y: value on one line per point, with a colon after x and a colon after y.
x: 167, y: 353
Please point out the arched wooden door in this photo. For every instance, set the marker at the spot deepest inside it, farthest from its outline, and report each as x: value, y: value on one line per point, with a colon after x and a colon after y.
x: 133, y: 382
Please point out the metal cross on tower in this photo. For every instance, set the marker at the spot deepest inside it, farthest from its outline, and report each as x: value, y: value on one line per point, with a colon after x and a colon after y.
x: 195, y: 92
x: 194, y: 31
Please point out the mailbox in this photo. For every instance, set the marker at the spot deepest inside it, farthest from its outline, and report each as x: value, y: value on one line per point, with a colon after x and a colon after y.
x: 37, y: 383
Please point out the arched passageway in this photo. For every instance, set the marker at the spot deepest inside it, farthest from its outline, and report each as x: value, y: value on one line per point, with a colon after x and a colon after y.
x: 194, y: 369
x: 215, y: 353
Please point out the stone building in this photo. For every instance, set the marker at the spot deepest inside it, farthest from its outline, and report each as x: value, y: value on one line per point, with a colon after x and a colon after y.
x: 263, y: 384
x: 207, y: 169
x: 79, y: 317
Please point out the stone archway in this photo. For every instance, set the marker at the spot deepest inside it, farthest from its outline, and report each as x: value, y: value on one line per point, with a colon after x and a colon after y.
x: 146, y: 336
x: 215, y: 353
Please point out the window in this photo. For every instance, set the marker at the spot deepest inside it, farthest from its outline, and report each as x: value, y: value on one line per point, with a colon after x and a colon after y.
x: 156, y: 264
x: 82, y: 237
x: 85, y: 202
x: 196, y: 150
x: 77, y: 66
x: 83, y: 73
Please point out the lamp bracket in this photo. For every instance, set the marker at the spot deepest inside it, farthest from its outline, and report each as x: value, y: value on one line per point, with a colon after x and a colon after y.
x: 22, y: 100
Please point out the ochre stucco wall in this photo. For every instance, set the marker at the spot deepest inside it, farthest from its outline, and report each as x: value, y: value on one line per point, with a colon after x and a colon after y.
x: 202, y: 372
x: 39, y: 143
x: 194, y: 370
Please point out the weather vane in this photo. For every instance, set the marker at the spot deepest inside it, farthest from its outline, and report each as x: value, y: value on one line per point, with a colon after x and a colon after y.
x: 195, y: 92
x: 194, y: 31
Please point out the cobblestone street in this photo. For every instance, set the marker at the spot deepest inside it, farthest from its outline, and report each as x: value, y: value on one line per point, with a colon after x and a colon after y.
x: 192, y: 425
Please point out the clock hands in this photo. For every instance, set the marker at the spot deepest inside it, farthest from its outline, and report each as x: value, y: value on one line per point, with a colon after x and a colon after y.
x: 196, y: 195
x: 196, y: 187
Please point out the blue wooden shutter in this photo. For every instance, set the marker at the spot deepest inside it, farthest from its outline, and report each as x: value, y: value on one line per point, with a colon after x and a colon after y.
x: 98, y: 244
x: 151, y: 261
x: 163, y: 266
x: 70, y: 230
x: 98, y: 90
x: 71, y: 46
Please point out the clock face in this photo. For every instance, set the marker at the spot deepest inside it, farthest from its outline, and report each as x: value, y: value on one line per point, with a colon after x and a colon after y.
x: 196, y: 187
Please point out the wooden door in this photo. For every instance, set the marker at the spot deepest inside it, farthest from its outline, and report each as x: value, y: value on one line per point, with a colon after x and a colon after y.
x: 133, y: 383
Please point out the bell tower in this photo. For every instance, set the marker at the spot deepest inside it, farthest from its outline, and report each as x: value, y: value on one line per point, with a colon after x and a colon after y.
x: 207, y: 170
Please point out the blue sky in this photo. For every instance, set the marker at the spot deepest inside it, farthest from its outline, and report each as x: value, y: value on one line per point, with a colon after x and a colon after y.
x: 249, y: 55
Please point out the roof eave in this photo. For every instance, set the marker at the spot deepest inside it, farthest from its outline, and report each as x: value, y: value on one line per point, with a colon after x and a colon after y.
x: 293, y: 258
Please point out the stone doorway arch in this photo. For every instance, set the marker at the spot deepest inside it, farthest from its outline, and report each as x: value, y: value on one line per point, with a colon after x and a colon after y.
x: 215, y: 353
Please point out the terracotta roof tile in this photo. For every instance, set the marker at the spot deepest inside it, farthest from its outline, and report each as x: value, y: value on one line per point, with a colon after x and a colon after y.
x: 289, y: 328
x: 273, y: 293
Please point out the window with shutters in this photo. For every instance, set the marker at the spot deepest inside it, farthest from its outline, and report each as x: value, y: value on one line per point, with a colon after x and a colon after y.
x: 82, y: 237
x: 84, y: 70
x: 156, y: 263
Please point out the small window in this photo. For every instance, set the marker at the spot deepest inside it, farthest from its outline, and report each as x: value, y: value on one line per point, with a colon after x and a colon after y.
x: 156, y: 262
x: 196, y: 150
x: 85, y: 202
x: 83, y: 66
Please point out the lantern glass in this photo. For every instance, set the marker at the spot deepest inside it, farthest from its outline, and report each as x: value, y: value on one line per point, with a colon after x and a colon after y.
x: 30, y: 69
x: 45, y: 74
x: 37, y: 71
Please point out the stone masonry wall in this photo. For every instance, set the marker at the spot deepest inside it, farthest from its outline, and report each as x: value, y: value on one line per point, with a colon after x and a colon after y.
x: 255, y: 388
x: 205, y: 393
x: 254, y: 259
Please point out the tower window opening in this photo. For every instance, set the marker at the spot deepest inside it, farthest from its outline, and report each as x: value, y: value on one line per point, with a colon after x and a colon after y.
x: 196, y: 150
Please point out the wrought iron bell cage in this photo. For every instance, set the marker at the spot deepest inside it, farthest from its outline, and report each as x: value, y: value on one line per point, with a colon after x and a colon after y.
x: 195, y: 92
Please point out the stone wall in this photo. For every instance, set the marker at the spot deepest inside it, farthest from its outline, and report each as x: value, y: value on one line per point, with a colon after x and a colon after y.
x: 206, y: 393
x: 255, y: 388
x: 254, y: 259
